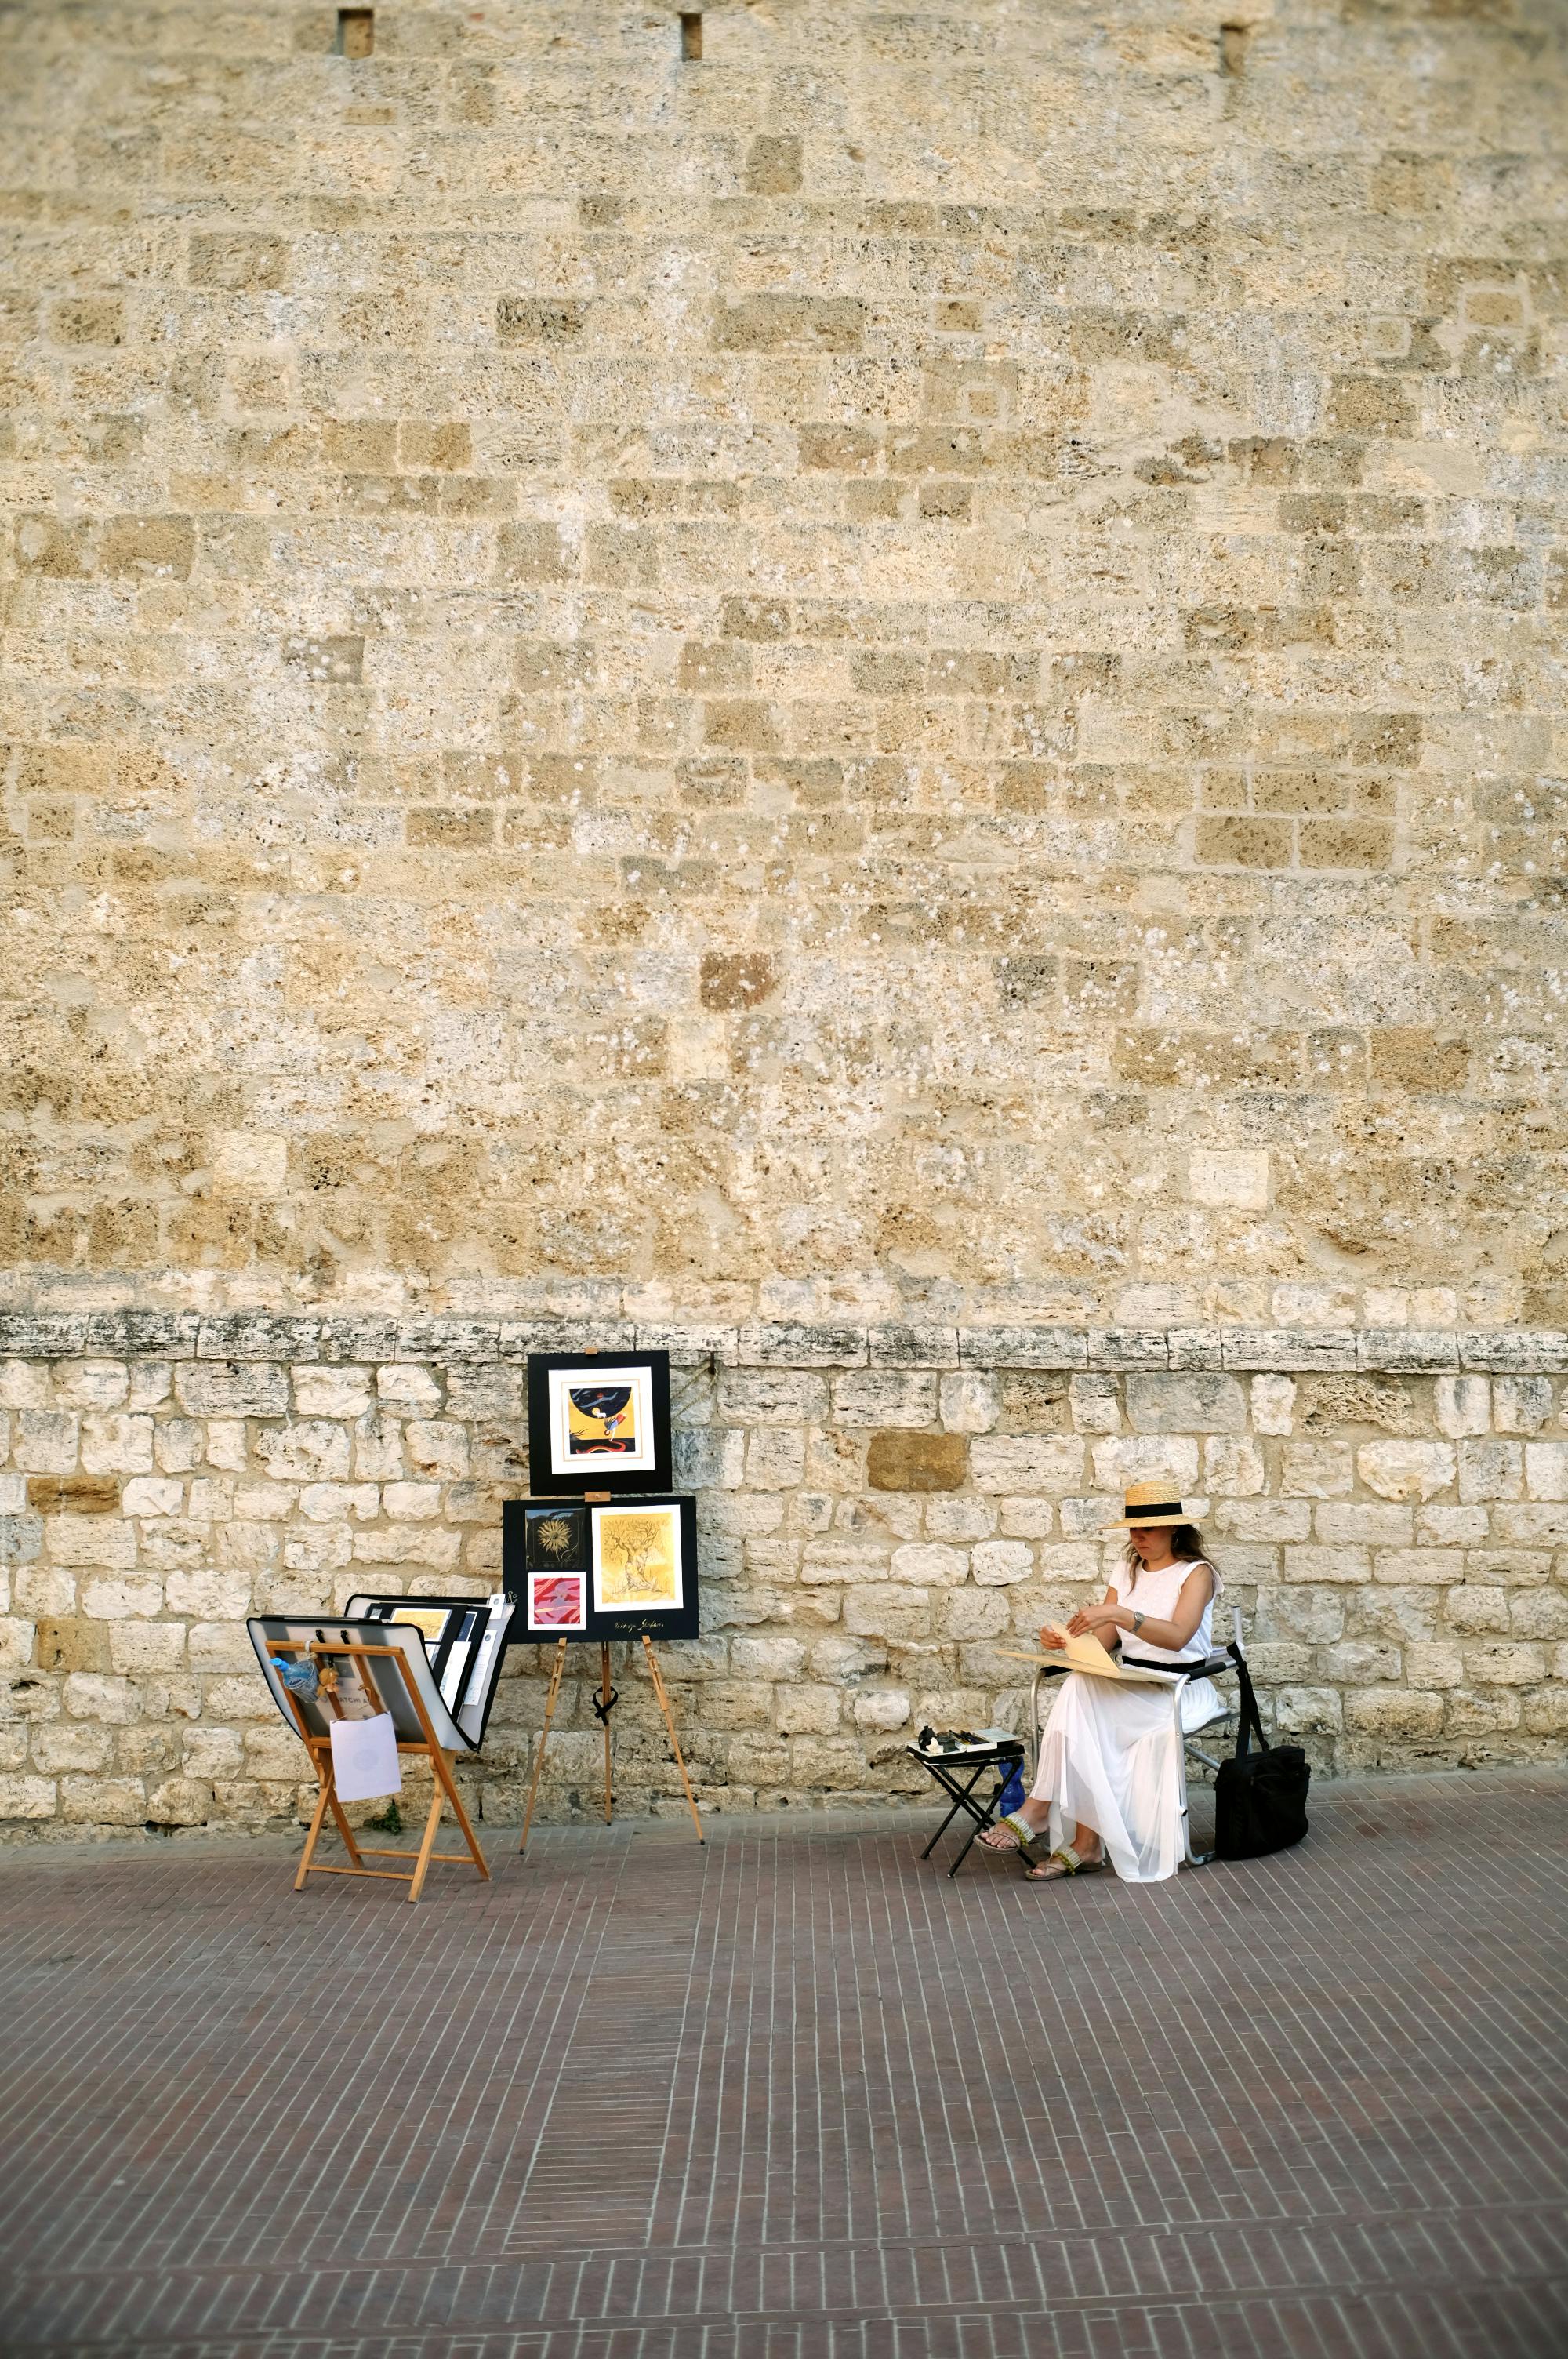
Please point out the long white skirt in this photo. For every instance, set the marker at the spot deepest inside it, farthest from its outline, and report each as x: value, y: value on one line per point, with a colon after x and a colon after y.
x: 1109, y: 1760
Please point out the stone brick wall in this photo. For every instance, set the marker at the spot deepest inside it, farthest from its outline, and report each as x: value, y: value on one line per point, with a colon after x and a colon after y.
x: 920, y: 661
x: 881, y: 1513
x: 890, y: 704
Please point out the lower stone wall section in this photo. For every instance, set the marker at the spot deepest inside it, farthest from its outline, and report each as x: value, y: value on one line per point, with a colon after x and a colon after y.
x: 872, y: 1540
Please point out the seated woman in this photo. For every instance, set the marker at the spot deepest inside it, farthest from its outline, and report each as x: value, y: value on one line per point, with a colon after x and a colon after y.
x: 1108, y: 1764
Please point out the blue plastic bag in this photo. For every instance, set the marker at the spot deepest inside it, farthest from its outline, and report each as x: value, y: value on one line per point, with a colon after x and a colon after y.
x: 1013, y: 1793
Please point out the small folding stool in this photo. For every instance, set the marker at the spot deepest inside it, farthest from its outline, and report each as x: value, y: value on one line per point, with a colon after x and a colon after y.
x: 1003, y: 1757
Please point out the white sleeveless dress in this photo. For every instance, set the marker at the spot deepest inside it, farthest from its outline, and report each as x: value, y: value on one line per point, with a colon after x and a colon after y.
x: 1108, y: 1753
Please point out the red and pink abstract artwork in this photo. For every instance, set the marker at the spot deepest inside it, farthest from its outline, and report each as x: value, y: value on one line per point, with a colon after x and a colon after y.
x: 556, y: 1600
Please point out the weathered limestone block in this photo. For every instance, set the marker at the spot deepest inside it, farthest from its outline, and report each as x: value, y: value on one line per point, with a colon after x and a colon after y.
x: 775, y: 1459
x: 1233, y: 1468
x: 180, y: 1802
x: 1136, y: 1459
x: 1546, y: 1470
x: 1521, y: 1404
x: 1324, y: 1566
x: 1000, y: 1563
x: 1186, y: 1404
x: 343, y: 1392
x: 975, y: 1614
x: 1308, y: 1712
x: 1449, y: 1526
x: 969, y: 1401
x: 929, y: 1564
x: 1318, y: 1469
x: 309, y: 1450
x: 408, y: 1545
x: 899, y: 1461
x: 801, y: 1709
x: 1433, y: 1566
x: 1096, y: 1404
x: 889, y: 1610
x: 231, y: 1389
x: 1491, y: 1470
x: 953, y: 1517
x: 142, y: 1648
x: 1358, y: 1520
x: 769, y: 1396
x: 73, y: 1744
x: 1406, y: 1470
x: 710, y: 1457
x: 1050, y: 1465
x: 408, y: 1390
x: 884, y: 1398
x: 46, y: 1441
x: 1399, y: 1713
x: 91, y: 1384
x: 27, y: 1797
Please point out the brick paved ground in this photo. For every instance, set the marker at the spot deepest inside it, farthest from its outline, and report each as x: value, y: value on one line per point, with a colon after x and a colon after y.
x: 798, y: 2094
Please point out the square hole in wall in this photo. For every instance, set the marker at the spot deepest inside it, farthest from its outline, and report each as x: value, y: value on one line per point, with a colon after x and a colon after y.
x: 356, y: 32
x: 691, y: 35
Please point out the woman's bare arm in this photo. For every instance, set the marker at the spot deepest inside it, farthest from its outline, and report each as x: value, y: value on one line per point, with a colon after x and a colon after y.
x: 1101, y: 1621
x: 1055, y: 1640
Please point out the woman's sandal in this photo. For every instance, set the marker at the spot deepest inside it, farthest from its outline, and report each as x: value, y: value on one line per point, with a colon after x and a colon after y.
x: 1016, y: 1826
x: 1050, y: 1872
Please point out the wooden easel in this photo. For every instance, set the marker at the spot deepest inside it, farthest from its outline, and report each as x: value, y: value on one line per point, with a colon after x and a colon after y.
x: 320, y: 1751
x: 603, y: 1706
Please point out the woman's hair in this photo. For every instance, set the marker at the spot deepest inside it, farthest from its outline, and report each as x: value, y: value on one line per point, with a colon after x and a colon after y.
x: 1186, y: 1547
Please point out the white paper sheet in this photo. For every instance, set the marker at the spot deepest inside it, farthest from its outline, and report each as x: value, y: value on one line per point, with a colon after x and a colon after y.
x: 364, y: 1758
x: 1088, y: 1656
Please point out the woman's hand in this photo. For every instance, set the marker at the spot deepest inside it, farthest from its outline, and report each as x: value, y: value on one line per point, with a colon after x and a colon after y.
x: 1096, y: 1622
x: 1051, y: 1640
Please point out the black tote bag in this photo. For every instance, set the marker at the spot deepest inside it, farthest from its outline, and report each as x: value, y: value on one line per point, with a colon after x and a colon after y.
x: 1260, y: 1798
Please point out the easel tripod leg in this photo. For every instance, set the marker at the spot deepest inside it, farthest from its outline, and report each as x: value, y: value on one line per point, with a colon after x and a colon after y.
x: 325, y: 1795
x: 604, y: 1697
x: 674, y: 1740
x: 559, y: 1666
x: 442, y: 1764
x: 428, y: 1844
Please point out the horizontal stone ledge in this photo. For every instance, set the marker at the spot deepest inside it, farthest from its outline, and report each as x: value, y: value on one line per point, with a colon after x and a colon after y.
x: 143, y: 1334
x: 518, y: 1337
x: 1023, y: 1347
x: 1535, y: 1352
x: 1289, y: 1351
x: 464, y: 1340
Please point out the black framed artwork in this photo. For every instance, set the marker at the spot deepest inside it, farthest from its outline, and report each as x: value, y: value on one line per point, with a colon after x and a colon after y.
x: 636, y: 1571
x: 598, y: 1422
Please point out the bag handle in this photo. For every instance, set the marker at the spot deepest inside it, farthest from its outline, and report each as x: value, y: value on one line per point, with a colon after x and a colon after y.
x: 1251, y: 1721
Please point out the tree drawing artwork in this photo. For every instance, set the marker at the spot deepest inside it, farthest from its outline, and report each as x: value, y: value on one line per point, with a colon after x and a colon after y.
x: 637, y: 1558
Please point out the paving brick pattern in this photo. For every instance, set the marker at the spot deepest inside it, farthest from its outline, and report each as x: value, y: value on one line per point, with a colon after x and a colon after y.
x: 798, y: 2096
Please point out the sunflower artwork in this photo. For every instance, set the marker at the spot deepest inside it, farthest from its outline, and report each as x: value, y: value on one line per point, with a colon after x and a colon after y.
x: 556, y: 1538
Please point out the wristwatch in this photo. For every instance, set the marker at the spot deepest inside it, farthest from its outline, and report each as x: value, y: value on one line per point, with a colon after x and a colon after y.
x: 1136, y: 1623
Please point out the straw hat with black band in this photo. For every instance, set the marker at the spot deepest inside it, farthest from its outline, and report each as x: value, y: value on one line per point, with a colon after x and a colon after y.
x: 1149, y: 1506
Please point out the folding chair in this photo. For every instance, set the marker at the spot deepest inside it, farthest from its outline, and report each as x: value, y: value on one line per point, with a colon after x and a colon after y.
x: 1215, y: 1665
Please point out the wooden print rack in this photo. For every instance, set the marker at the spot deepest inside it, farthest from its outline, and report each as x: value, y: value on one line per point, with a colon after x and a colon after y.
x: 320, y: 1748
